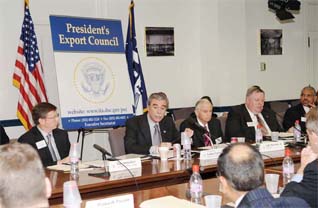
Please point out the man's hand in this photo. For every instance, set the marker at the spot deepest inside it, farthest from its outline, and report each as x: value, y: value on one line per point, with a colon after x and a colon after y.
x: 188, y: 132
x: 65, y: 160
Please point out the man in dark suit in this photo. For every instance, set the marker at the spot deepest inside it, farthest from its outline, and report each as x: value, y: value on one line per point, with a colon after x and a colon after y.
x: 241, y: 176
x: 206, y: 129
x: 298, y: 112
x: 52, y: 143
x: 4, y: 139
x: 305, y: 183
x: 23, y: 182
x: 243, y: 119
x: 146, y: 132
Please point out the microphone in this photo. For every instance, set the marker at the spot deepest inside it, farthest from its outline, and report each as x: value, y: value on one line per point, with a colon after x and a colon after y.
x: 102, y: 150
x: 112, y: 158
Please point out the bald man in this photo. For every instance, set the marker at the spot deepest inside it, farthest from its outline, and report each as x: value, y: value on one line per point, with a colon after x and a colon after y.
x: 241, y: 174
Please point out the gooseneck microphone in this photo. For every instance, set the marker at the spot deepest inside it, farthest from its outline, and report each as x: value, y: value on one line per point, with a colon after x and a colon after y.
x: 102, y: 150
x: 104, y: 153
x: 112, y: 158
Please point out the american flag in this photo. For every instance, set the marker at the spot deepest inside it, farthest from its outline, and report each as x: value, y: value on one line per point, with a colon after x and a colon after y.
x: 28, y: 74
x: 134, y: 66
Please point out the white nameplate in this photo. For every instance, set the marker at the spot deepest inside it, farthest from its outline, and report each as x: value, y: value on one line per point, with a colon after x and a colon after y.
x: 125, y: 174
x: 126, y: 201
x: 129, y: 163
x: 271, y: 146
x: 210, y: 154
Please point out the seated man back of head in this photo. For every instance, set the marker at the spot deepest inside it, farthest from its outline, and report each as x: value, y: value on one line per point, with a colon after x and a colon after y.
x: 241, y: 174
x: 22, y: 178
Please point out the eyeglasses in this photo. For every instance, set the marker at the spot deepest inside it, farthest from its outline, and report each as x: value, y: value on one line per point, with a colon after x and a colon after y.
x: 53, y: 117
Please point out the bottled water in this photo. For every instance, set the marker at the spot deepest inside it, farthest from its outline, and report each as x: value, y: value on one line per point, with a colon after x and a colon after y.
x: 258, y: 135
x: 74, y: 167
x: 297, y: 131
x: 196, y: 187
x: 186, y: 146
x: 74, y: 160
x: 288, y: 167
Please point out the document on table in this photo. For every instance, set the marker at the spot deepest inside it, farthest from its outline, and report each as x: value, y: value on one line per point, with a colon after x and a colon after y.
x: 66, y: 167
x: 169, y: 201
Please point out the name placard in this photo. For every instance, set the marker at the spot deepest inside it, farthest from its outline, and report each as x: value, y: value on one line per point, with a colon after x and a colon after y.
x: 271, y: 146
x: 126, y: 201
x: 129, y: 163
x: 125, y: 174
x: 211, y: 153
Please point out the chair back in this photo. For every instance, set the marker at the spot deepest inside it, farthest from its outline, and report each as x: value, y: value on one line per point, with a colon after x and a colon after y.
x: 280, y: 109
x: 223, y: 122
x: 183, y: 113
x: 116, y: 141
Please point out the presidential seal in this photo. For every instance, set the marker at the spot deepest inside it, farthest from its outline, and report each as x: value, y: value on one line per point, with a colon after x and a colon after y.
x: 94, y: 80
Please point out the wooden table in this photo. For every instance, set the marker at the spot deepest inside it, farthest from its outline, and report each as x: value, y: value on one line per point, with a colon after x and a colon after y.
x: 154, y: 174
x: 210, y: 186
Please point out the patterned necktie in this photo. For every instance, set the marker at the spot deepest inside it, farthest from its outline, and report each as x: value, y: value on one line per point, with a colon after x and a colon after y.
x: 261, y: 124
x: 207, y: 137
x: 49, y: 144
x: 156, y: 136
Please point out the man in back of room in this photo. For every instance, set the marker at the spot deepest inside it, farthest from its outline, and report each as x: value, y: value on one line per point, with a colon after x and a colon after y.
x: 243, y: 119
x: 298, y: 112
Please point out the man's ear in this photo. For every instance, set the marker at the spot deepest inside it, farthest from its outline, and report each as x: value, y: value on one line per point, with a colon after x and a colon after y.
x: 48, y: 187
x: 224, y: 184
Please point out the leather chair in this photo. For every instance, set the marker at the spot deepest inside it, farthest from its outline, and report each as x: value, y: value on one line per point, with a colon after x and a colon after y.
x: 280, y: 109
x: 116, y: 141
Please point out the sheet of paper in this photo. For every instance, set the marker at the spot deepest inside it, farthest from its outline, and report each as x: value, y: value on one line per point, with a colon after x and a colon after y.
x: 169, y: 201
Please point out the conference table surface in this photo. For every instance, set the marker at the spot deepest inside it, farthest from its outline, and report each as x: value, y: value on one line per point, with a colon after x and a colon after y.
x: 210, y: 187
x: 154, y: 174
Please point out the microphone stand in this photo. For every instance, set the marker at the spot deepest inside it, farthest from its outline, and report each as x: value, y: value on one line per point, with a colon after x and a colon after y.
x: 102, y: 174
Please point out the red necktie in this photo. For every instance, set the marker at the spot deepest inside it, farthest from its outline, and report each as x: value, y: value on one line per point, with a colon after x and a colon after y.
x: 262, y: 125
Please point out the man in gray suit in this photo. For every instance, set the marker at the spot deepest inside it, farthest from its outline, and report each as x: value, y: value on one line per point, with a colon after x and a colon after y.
x: 146, y: 132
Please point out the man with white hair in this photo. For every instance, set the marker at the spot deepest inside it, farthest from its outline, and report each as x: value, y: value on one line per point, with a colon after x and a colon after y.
x: 206, y: 129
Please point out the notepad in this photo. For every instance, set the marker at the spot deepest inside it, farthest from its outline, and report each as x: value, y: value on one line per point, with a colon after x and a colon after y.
x: 169, y: 201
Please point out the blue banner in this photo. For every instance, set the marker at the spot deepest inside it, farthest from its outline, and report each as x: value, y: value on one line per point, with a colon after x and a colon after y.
x: 86, y: 34
x: 95, y: 122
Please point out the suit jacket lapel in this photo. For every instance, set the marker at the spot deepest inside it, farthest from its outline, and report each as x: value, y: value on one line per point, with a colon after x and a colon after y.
x: 145, y: 129
x: 39, y: 137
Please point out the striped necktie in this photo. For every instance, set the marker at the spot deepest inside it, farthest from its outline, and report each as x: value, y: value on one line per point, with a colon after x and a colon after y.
x: 207, y: 137
x: 49, y: 143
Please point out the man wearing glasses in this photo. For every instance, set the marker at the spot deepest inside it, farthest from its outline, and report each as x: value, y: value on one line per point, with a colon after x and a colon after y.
x: 51, y: 142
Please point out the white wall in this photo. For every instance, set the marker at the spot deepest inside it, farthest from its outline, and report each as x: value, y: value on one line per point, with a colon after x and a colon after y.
x: 216, y: 48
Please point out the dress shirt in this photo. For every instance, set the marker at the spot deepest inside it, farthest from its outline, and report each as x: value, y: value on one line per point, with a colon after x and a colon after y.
x: 206, y: 126
x: 152, y: 127
x: 238, y: 201
x: 297, y: 178
x: 306, y: 109
x: 45, y: 135
x: 254, y: 119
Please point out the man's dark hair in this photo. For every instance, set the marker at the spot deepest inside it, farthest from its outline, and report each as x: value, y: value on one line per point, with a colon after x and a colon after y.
x: 41, y: 110
x: 242, y: 166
